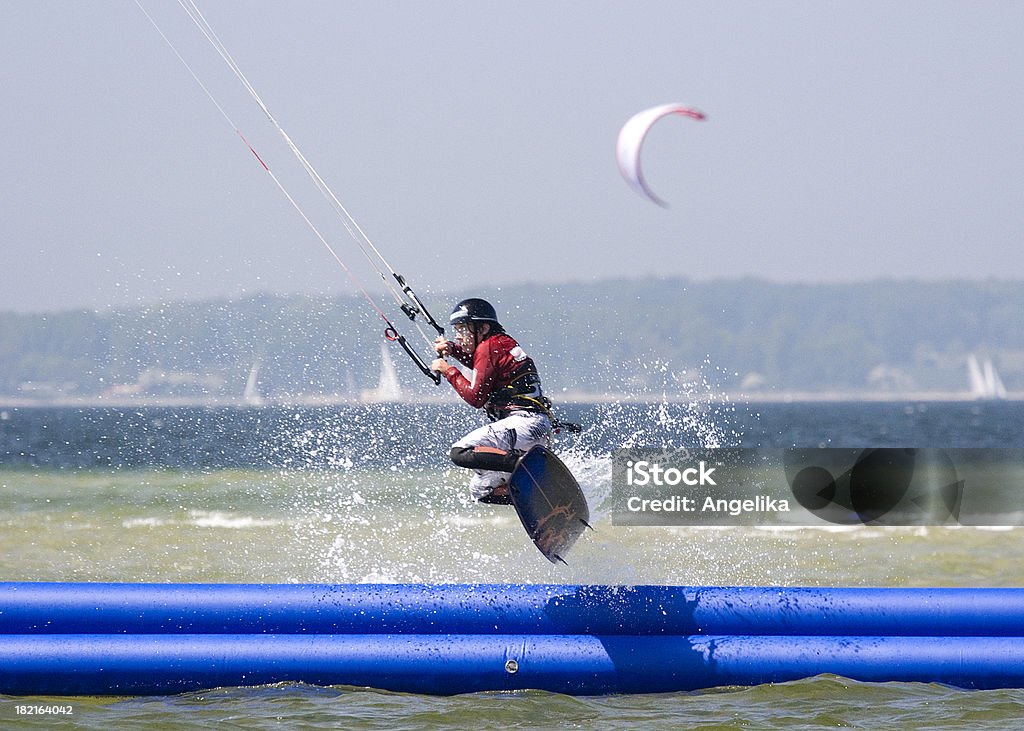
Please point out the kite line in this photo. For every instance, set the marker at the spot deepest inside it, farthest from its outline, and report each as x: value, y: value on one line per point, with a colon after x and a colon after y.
x: 404, y: 296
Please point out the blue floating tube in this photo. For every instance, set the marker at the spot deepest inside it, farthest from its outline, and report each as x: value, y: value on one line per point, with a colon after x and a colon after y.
x: 449, y: 664
x: 134, y: 639
x: 68, y: 608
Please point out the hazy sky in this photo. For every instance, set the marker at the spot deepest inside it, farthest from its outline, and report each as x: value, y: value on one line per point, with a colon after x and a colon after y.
x: 474, y: 143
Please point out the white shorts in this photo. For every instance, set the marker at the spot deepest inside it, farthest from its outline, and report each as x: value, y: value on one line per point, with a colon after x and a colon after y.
x: 520, y: 430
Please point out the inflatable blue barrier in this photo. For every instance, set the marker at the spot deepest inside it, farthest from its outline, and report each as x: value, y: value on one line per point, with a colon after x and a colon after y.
x: 135, y: 639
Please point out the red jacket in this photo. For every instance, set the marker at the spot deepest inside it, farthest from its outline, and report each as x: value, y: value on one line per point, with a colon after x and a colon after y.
x: 504, y: 377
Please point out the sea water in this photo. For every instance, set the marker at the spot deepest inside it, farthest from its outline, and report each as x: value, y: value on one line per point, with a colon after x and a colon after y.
x: 366, y: 494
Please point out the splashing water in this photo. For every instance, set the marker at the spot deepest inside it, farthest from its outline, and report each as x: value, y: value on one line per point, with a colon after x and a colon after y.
x: 282, y: 494
x: 383, y: 504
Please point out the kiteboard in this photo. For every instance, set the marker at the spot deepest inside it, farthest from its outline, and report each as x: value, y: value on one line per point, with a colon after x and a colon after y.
x: 549, y: 502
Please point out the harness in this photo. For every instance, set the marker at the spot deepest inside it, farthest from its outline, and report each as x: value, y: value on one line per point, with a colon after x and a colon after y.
x: 522, y: 393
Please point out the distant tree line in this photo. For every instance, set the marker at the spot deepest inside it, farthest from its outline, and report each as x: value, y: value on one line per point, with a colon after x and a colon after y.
x: 647, y: 336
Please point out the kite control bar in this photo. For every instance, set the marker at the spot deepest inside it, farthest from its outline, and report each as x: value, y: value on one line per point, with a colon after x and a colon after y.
x: 396, y: 337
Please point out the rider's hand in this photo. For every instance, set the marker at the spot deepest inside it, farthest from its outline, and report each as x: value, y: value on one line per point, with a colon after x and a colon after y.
x: 442, y: 345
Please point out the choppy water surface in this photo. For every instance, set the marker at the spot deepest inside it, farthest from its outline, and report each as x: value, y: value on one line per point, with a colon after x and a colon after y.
x: 365, y: 494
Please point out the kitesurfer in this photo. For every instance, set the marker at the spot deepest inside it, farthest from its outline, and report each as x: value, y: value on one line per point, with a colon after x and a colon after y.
x: 504, y: 383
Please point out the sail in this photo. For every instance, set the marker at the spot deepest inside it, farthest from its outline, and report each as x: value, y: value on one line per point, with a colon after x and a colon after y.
x: 993, y: 383
x: 984, y: 379
x: 976, y: 377
x: 388, y: 387
x: 252, y: 395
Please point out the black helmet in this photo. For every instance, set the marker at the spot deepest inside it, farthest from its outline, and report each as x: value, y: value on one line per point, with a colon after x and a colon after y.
x: 473, y: 310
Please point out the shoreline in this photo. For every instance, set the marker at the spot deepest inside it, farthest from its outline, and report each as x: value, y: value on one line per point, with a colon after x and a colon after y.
x: 574, y: 398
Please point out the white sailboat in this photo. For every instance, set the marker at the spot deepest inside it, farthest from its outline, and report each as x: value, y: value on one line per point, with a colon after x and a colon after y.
x: 388, y: 387
x: 984, y: 379
x: 252, y: 396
